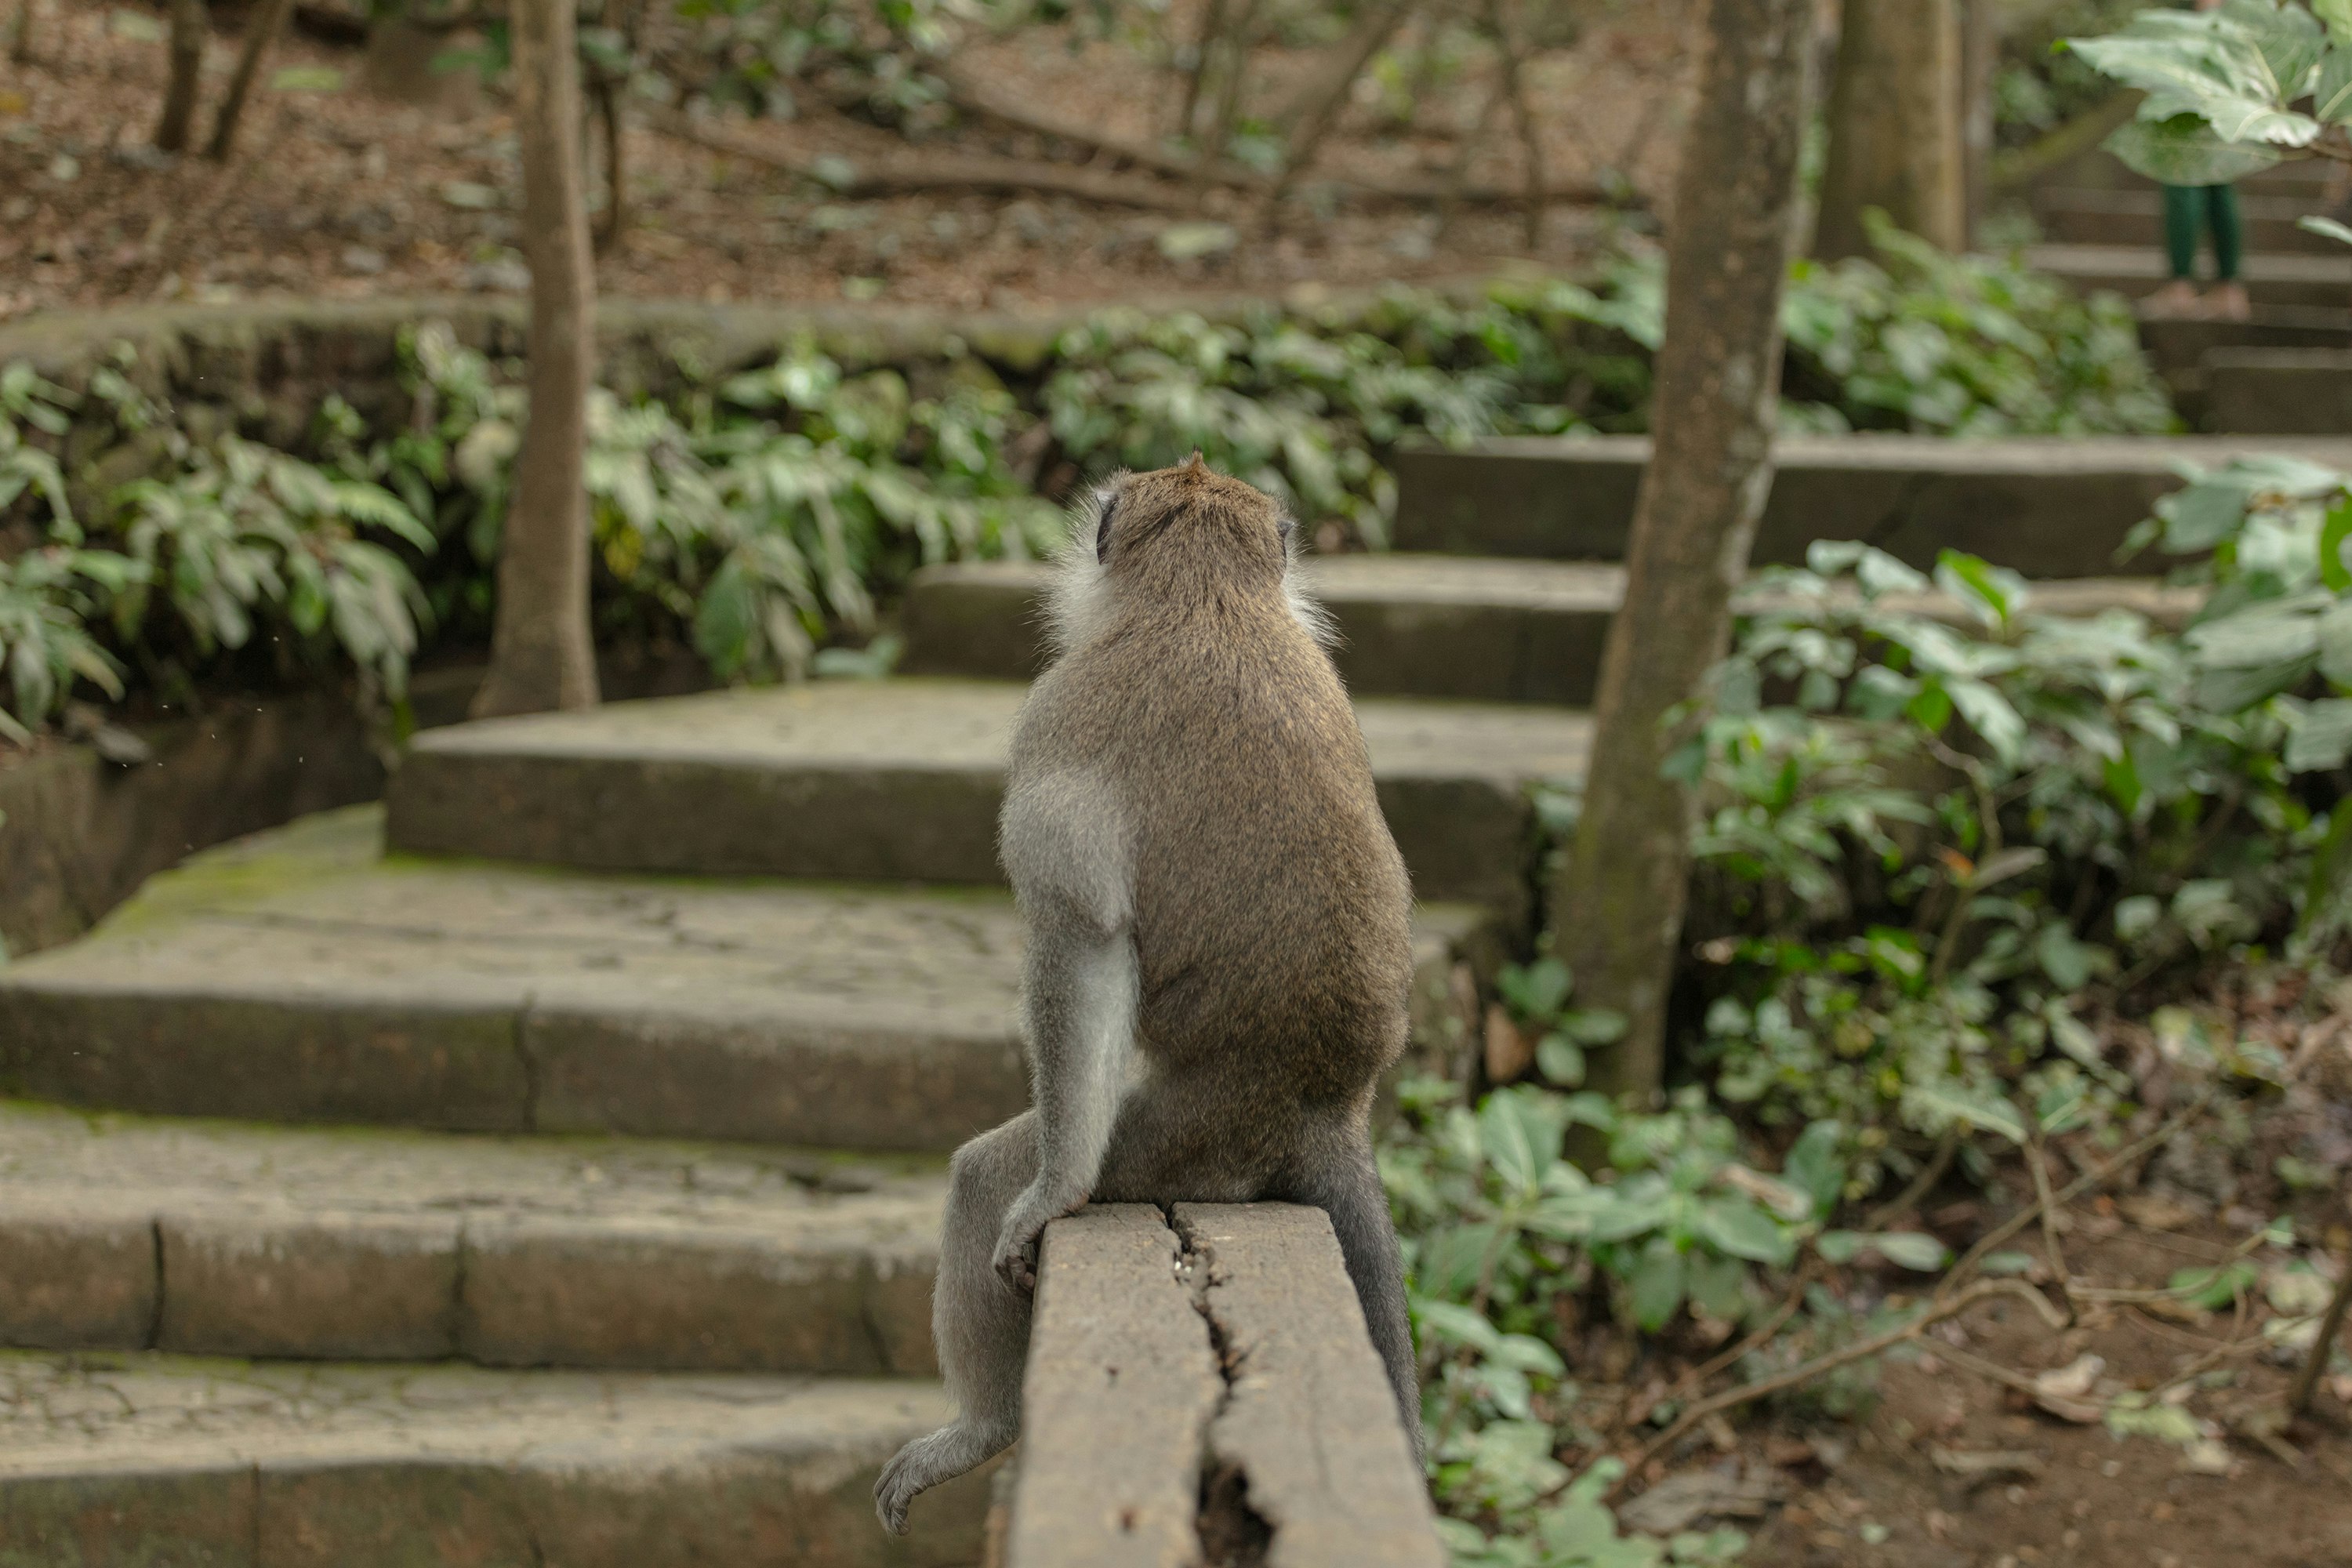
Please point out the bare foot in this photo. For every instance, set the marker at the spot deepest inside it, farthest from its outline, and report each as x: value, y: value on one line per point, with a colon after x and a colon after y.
x: 2175, y: 298
x: 2228, y: 302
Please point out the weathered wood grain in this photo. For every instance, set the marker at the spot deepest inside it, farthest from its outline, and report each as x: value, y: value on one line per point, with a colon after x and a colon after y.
x: 1122, y: 1382
x: 1309, y: 1421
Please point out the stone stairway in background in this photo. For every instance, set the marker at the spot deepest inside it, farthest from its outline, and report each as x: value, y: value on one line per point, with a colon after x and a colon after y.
x: 2289, y: 370
x: 562, y: 1186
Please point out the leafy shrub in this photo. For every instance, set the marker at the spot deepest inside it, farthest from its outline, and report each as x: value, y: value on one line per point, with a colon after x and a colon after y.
x: 1503, y: 1236
x: 1922, y: 340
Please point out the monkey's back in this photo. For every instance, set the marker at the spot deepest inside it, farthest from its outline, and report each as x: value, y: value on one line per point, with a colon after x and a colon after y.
x: 1271, y: 910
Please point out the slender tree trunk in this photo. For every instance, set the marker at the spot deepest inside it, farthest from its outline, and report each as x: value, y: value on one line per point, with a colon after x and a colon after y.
x: 1980, y: 64
x: 1618, y: 908
x: 541, y: 653
x: 261, y: 29
x: 1318, y: 109
x: 20, y: 41
x: 1895, y: 126
x: 1507, y: 39
x: 189, y: 27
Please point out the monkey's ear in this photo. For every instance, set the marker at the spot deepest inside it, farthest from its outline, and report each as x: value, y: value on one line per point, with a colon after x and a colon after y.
x: 1102, y: 528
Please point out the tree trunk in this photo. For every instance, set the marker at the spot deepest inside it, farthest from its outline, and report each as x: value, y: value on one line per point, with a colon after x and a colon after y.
x: 189, y: 27
x: 20, y: 43
x: 541, y: 653
x: 1895, y: 126
x: 1617, y: 909
x: 1980, y: 64
x: 261, y: 27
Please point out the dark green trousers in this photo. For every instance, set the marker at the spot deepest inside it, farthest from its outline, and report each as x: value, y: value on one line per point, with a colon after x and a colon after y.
x: 2187, y: 210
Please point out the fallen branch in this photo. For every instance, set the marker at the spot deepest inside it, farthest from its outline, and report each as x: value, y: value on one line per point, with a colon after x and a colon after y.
x: 2013, y: 170
x: 1439, y: 186
x: 973, y: 97
x: 929, y: 172
x: 2331, y: 1324
x: 1830, y: 1361
x: 2097, y: 1176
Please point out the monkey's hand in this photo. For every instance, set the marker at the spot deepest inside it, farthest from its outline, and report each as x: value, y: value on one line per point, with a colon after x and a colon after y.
x: 1024, y: 1221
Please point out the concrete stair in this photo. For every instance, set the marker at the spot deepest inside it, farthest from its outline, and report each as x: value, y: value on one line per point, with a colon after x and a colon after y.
x: 162, y: 1461
x: 237, y: 1239
x: 899, y: 780
x: 2075, y: 216
x: 2297, y: 278
x: 1459, y: 628
x: 2050, y: 508
x: 296, y: 977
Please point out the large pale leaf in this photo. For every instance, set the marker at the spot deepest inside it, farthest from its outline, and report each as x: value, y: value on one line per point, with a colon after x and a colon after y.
x: 2183, y: 150
x: 2224, y: 68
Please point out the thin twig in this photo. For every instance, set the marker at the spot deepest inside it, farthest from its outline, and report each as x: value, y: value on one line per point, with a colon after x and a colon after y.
x: 2095, y: 1177
x: 2331, y: 1323
x: 1506, y: 41
x: 2060, y: 1274
x: 1912, y: 1196
x: 1804, y: 1373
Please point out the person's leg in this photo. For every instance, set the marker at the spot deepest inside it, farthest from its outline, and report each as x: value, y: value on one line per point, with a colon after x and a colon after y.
x: 2184, y: 212
x: 2228, y: 299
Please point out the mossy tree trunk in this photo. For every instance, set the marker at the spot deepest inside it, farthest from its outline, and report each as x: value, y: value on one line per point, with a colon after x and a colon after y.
x: 262, y: 25
x: 1895, y: 131
x: 1617, y: 911
x: 541, y: 656
x: 20, y: 40
x: 189, y: 27
x: 1980, y: 64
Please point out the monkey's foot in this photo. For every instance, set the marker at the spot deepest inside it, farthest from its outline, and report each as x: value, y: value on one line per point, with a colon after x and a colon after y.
x: 927, y: 1461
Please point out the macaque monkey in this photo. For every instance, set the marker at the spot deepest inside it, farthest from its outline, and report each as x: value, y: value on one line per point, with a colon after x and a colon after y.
x: 1219, y: 952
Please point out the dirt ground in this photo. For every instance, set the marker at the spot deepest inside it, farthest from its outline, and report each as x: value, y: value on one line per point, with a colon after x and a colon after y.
x: 333, y: 191
x: 1958, y: 1460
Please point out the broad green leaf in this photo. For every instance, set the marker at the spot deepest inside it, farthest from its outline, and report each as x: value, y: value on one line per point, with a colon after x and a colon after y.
x: 1816, y: 1164
x: 2333, y: 531
x: 2321, y: 735
x: 2223, y: 69
x: 1911, y: 1250
x: 1560, y: 1060
x: 1657, y: 1284
x: 1520, y: 1134
x: 1940, y: 1103
x: 2184, y: 151
x: 1743, y: 1230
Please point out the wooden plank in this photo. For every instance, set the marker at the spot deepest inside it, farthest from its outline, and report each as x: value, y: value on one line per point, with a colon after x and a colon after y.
x: 1122, y: 1382
x: 1310, y: 1422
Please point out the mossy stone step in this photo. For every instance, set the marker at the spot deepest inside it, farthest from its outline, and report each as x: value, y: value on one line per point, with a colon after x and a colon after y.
x: 222, y: 1238
x: 1450, y: 626
x: 296, y: 976
x: 140, y: 1462
x: 900, y: 780
x: 2046, y: 507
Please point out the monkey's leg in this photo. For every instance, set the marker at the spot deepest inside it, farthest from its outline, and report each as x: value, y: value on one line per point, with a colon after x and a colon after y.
x: 979, y: 1328
x: 1344, y: 1182
x: 1079, y: 993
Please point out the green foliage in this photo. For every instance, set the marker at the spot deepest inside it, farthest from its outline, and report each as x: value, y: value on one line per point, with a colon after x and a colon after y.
x: 758, y: 53
x: 1939, y: 836
x: 2222, y: 86
x: 1503, y: 1233
x: 1922, y: 340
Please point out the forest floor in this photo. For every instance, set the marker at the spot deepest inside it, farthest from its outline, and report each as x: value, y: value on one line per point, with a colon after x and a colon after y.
x: 1995, y: 1440
x: 333, y: 191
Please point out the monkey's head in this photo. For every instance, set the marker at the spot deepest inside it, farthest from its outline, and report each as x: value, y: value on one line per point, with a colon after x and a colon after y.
x: 1173, y: 536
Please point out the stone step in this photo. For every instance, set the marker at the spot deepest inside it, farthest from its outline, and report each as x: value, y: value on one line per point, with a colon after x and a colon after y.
x: 1453, y: 627
x: 2136, y: 217
x: 221, y: 1238
x: 2305, y: 392
x: 2047, y: 506
x: 144, y: 1461
x: 901, y: 780
x: 293, y: 976
x: 2133, y: 270
x: 2178, y: 345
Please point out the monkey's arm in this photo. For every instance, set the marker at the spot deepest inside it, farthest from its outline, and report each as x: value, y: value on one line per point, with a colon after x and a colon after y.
x: 1080, y: 997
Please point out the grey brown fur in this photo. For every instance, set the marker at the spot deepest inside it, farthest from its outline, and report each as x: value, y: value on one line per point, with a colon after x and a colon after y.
x: 1219, y: 947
